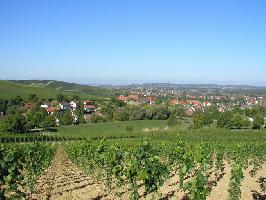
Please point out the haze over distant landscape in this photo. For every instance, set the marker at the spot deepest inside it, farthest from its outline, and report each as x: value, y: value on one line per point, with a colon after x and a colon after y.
x: 123, y: 42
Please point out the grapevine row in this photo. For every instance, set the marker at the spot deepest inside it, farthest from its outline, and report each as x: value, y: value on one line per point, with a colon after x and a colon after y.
x: 151, y: 165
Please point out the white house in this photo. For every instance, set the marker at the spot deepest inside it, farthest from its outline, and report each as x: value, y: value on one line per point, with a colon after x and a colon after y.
x: 44, y: 106
x: 73, y: 105
x: 251, y: 119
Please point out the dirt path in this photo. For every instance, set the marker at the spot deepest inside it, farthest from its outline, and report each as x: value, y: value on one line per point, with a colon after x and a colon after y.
x: 63, y: 180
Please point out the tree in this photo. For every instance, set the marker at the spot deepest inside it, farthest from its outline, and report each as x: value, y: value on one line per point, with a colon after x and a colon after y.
x: 118, y: 103
x: 198, y: 120
x: 240, y: 122
x: 80, y: 113
x: 33, y: 97
x: 7, y: 124
x: 181, y: 112
x: 258, y: 121
x: 50, y: 121
x: 76, y: 98
x: 120, y: 114
x: 137, y: 113
x: 67, y: 118
x: 162, y: 113
x: 61, y: 98
x: 207, y: 119
x: 18, y: 100
x: 172, y: 119
x: 97, y: 118
x: 12, y: 110
x: 3, y: 105
x: 214, y: 112
x: 13, y: 123
x: 225, y: 120
x: 35, y: 118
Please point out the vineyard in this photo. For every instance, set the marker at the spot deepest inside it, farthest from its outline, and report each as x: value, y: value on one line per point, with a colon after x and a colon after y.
x: 21, y: 165
x: 109, y: 169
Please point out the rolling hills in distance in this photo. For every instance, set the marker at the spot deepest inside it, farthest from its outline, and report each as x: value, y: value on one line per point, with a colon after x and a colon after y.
x: 50, y: 88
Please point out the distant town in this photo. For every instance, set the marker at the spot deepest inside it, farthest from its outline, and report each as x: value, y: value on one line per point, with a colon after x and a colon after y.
x: 139, y: 102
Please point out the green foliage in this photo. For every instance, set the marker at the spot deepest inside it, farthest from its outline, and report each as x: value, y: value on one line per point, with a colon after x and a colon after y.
x: 37, y: 158
x: 172, y: 119
x: 149, y: 165
x: 20, y: 166
x: 67, y: 118
x: 33, y: 98
x: 181, y: 112
x: 13, y: 123
x: 11, y: 167
x: 225, y: 120
x: 141, y: 164
x: 198, y: 120
x: 239, y: 122
x: 12, y: 89
x: 35, y: 118
x: 95, y: 118
x: 258, y: 121
x: 118, y: 103
x: 129, y: 128
x: 64, y: 87
x: 50, y: 121
x: 237, y: 175
x: 61, y: 98
x: 207, y: 118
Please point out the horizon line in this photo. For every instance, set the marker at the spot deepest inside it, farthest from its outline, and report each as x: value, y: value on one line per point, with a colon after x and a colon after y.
x: 128, y: 83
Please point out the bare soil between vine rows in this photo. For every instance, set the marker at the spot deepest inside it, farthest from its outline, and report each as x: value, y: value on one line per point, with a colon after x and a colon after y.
x: 63, y: 180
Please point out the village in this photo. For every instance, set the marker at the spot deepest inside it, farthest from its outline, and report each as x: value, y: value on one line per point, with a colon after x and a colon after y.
x: 191, y: 103
x: 135, y: 103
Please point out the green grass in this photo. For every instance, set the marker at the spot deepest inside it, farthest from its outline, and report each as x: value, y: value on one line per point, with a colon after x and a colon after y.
x: 158, y: 134
x: 110, y: 128
x: 71, y: 87
x: 141, y: 128
x: 212, y: 135
x: 9, y: 89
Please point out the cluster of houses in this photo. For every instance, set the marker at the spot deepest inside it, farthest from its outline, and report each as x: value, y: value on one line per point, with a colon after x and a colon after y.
x: 200, y: 102
x: 191, y: 106
x: 51, y: 108
x: 137, y: 98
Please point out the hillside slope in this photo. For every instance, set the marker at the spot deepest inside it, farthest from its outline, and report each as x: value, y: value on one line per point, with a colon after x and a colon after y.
x: 11, y: 89
x: 69, y: 87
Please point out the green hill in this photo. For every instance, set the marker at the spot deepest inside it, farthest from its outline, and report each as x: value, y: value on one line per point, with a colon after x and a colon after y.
x: 68, y: 87
x: 11, y: 89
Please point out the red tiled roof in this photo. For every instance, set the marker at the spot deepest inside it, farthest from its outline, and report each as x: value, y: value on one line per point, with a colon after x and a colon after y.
x: 89, y: 106
x: 133, y: 97
x: 52, y: 109
x: 150, y: 98
x: 122, y: 98
x: 29, y: 105
x: 87, y: 102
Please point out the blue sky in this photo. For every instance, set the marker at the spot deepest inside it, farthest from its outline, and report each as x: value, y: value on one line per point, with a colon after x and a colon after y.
x: 124, y: 41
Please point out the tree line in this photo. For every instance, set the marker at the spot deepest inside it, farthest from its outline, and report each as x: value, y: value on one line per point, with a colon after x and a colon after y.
x: 233, y: 119
x: 18, y: 119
